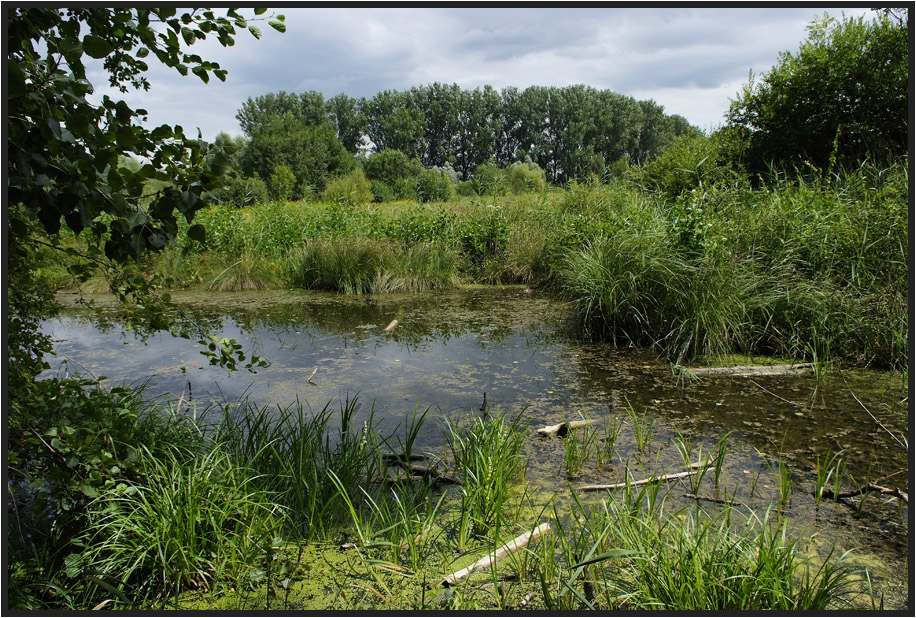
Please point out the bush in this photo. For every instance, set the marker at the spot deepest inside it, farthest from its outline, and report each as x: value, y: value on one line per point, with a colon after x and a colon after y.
x: 391, y: 166
x: 433, y: 187
x: 842, y: 96
x: 282, y: 183
x: 527, y: 178
x: 381, y: 192
x: 352, y: 189
x: 690, y: 162
x: 243, y: 191
x: 489, y: 179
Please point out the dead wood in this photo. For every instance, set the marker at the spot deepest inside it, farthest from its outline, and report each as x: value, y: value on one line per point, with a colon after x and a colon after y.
x: 563, y: 428
x: 653, y: 479
x: 753, y: 370
x: 514, y: 545
x: 886, y: 491
x: 391, y: 326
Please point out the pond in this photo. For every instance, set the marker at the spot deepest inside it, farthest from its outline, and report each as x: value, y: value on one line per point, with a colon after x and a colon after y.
x: 519, y: 350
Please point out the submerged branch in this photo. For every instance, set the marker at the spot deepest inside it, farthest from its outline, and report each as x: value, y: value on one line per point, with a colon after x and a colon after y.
x: 514, y: 545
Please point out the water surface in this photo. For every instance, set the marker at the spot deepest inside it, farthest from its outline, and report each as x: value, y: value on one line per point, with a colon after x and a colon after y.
x: 520, y: 349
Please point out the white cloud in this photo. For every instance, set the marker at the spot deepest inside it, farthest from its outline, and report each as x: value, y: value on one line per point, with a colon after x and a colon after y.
x: 691, y: 60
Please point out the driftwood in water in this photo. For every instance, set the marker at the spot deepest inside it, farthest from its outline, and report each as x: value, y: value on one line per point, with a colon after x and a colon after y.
x: 753, y: 370
x: 314, y: 371
x: 563, y: 428
x: 653, y: 479
x: 887, y: 491
x: 391, y: 326
x: 515, y: 544
x: 397, y: 459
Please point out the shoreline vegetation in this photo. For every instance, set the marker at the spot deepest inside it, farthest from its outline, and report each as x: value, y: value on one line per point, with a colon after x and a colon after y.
x: 283, y: 508
x: 812, y: 268
x: 782, y: 234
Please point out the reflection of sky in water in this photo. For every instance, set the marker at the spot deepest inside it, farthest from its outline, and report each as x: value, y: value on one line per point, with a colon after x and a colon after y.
x: 450, y: 348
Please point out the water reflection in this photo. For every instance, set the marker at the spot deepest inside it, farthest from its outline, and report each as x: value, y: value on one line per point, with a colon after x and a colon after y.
x: 450, y: 348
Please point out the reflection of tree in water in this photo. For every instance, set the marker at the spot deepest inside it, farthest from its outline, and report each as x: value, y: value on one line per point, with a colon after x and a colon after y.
x: 291, y: 318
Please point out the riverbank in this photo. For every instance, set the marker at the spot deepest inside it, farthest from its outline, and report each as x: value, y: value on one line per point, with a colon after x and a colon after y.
x: 809, y: 269
x: 766, y: 444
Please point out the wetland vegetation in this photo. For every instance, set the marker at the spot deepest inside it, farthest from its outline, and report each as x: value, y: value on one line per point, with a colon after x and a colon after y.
x: 572, y: 271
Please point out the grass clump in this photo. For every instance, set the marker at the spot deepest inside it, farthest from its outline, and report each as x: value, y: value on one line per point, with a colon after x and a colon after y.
x: 487, y: 451
x: 191, y: 522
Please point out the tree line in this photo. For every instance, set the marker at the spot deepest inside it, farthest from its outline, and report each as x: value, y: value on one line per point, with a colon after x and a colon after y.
x: 569, y: 132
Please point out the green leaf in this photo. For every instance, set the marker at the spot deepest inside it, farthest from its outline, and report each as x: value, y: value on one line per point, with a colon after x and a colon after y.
x: 188, y: 35
x: 277, y: 25
x: 96, y: 47
x: 255, y: 31
x: 260, y: 10
x: 143, y: 52
x: 197, y: 232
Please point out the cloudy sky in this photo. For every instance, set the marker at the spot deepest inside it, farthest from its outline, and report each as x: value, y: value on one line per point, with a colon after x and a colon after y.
x: 690, y: 60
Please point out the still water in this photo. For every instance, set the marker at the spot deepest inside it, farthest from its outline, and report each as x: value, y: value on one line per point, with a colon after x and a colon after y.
x: 520, y: 349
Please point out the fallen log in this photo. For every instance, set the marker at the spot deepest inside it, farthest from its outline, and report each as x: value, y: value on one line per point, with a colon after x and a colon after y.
x: 433, y: 472
x: 652, y: 479
x: 753, y: 370
x: 563, y: 428
x: 391, y: 326
x: 398, y: 458
x: 514, y: 545
x: 887, y: 491
x: 401, y: 461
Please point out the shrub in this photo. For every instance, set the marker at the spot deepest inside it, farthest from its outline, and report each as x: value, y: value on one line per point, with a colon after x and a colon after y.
x: 349, y: 190
x: 391, y: 166
x: 381, y: 192
x: 690, y: 162
x: 282, y: 183
x: 489, y: 179
x: 243, y: 191
x: 527, y: 178
x: 433, y: 187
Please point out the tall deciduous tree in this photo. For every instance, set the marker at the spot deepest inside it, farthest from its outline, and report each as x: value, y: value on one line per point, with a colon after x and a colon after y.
x: 307, y: 108
x: 312, y: 152
x: 64, y: 152
x: 842, y: 95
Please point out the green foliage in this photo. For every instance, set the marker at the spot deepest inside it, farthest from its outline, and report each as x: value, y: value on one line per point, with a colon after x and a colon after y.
x: 488, y: 453
x: 241, y: 192
x: 381, y: 192
x: 390, y: 166
x: 191, y: 521
x: 307, y: 108
x: 282, y: 183
x: 352, y: 189
x: 433, y: 186
x: 489, y: 179
x: 841, y: 97
x: 311, y: 152
x: 526, y: 177
x: 692, y: 161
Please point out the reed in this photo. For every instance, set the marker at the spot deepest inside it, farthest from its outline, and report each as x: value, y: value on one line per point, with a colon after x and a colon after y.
x: 487, y: 451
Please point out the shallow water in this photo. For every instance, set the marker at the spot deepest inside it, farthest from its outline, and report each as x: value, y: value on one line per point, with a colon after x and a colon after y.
x: 448, y: 349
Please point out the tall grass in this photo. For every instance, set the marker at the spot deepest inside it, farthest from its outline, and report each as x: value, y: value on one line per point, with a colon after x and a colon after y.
x: 291, y: 453
x: 487, y: 451
x: 360, y: 266
x: 624, y: 556
x: 193, y: 521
